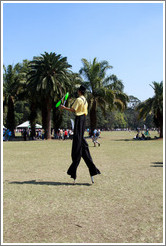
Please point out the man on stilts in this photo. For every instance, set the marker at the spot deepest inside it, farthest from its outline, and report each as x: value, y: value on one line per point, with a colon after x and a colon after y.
x: 80, y: 146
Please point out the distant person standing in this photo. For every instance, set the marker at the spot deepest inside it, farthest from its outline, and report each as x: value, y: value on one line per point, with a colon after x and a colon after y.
x: 25, y: 135
x: 65, y: 134
x: 80, y: 146
x: 4, y: 134
x: 95, y: 137
x: 61, y: 134
x: 43, y: 133
x: 28, y: 131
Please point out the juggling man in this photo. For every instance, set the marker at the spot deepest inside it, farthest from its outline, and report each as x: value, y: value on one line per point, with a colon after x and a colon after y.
x: 80, y: 146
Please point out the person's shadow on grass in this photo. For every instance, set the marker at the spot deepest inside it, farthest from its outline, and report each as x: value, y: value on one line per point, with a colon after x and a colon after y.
x: 34, y: 182
x: 157, y: 164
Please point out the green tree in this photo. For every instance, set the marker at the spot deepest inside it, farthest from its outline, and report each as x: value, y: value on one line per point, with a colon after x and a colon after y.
x: 131, y: 114
x: 119, y: 120
x: 48, y: 78
x: 133, y: 102
x: 154, y: 105
x: 22, y: 106
x: 22, y: 111
x: 103, y: 91
x: 13, y: 84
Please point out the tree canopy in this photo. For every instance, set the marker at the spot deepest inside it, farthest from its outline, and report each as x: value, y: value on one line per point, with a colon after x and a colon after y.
x: 153, y: 105
x: 32, y: 88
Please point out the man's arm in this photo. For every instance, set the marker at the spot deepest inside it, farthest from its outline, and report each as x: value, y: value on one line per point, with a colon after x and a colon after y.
x: 68, y: 109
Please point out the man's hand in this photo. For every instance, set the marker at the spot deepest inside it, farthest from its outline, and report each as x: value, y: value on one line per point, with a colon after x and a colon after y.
x: 63, y: 107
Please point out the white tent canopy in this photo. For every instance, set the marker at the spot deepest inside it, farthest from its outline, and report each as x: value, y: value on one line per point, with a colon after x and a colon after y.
x: 26, y: 124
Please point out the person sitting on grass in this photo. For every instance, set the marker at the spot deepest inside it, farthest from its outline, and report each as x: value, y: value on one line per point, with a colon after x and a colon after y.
x: 137, y: 137
x: 143, y: 137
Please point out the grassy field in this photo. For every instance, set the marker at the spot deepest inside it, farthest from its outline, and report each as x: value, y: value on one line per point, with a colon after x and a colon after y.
x: 124, y: 205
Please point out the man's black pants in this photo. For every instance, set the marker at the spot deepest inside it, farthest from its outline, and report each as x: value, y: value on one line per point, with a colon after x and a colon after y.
x: 80, y: 149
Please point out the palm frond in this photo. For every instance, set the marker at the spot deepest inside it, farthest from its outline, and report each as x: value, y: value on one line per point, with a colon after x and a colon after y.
x: 145, y: 108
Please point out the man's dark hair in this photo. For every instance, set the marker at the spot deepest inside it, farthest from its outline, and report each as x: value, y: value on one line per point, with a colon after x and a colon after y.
x: 82, y: 89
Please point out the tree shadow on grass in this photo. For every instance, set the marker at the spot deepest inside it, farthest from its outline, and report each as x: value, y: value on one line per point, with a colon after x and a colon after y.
x: 157, y: 164
x: 135, y: 140
x: 47, y: 183
x: 123, y: 139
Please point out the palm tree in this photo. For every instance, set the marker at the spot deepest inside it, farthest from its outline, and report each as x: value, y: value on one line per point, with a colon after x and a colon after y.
x: 103, y: 91
x: 47, y: 78
x: 13, y: 84
x: 154, y: 105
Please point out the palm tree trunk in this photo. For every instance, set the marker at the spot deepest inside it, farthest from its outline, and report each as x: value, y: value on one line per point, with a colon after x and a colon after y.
x: 161, y: 129
x: 160, y: 119
x: 10, y: 122
x: 93, y: 118
x: 48, y: 128
x: 57, y: 118
x: 161, y: 132
x: 32, y: 117
x: 48, y: 119
x: 44, y: 117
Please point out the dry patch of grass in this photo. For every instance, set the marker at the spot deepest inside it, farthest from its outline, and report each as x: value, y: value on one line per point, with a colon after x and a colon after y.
x: 124, y: 205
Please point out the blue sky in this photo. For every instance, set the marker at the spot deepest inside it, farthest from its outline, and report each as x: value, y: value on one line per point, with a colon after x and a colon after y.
x: 128, y: 35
